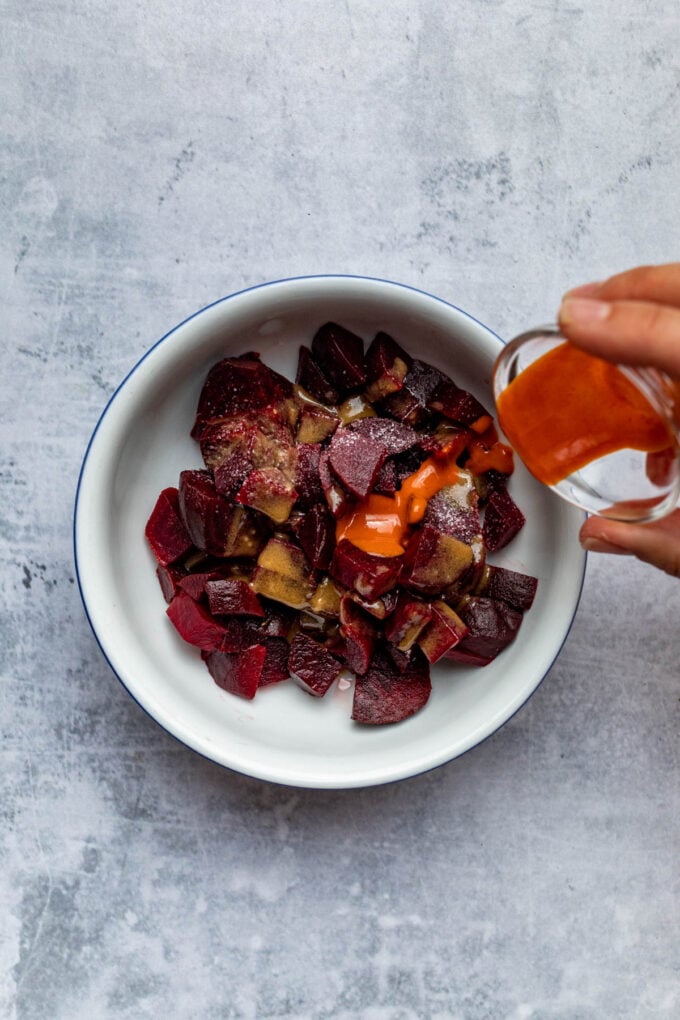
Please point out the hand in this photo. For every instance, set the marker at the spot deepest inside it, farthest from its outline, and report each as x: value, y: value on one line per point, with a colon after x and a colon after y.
x: 632, y: 319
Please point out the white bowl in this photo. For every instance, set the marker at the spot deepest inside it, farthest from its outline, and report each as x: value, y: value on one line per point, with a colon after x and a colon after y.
x: 142, y: 442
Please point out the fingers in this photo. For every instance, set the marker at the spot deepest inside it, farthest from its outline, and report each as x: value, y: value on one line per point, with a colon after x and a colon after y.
x: 657, y: 543
x: 658, y: 284
x: 629, y: 332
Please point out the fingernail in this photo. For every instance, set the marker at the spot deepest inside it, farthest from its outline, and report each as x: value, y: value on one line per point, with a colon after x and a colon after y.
x: 585, y: 290
x: 581, y: 311
x: 599, y: 545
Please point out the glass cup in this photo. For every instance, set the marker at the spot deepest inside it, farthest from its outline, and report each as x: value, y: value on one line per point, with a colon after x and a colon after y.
x: 625, y: 484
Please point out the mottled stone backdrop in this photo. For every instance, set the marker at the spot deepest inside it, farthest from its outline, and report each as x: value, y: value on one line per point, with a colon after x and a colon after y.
x: 156, y: 156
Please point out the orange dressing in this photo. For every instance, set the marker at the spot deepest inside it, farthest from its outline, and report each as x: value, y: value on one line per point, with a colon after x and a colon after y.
x: 380, y: 524
x: 568, y: 408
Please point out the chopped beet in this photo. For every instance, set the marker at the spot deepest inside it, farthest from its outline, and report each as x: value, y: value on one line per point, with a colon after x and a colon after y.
x: 455, y: 403
x: 340, y: 355
x: 316, y: 424
x: 409, y: 404
x: 411, y: 615
x: 394, y: 435
x: 492, y: 625
x: 445, y: 631
x: 380, y: 608
x: 460, y: 654
x: 236, y: 387
x: 231, y: 472
x: 165, y: 531
x: 434, y: 561
x: 312, y: 379
x: 311, y: 665
x: 275, y: 666
x: 194, y: 623
x: 278, y: 620
x: 238, y: 672
x: 386, y: 695
x: 453, y: 510
x: 359, y: 633
x: 307, y: 481
x: 502, y: 520
x: 169, y: 578
x: 213, y: 524
x: 385, y: 483
x: 194, y: 584
x: 386, y: 367
x: 315, y: 531
x: 355, y: 458
x: 370, y: 576
x: 510, y: 586
x: 232, y: 597
x: 268, y: 490
x: 336, y: 497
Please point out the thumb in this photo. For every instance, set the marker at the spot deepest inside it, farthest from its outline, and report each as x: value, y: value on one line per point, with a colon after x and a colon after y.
x: 657, y: 543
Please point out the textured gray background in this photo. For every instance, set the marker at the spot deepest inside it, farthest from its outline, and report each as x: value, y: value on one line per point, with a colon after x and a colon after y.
x: 156, y: 157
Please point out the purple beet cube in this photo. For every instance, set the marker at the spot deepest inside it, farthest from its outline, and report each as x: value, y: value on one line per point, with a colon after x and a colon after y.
x: 230, y: 473
x: 444, y: 632
x: 336, y: 497
x: 359, y: 634
x: 433, y: 561
x: 386, y: 366
x: 165, y: 530
x: 237, y: 672
x: 410, y: 617
x: 194, y: 584
x: 169, y: 578
x: 456, y: 404
x: 385, y: 483
x: 236, y: 387
x: 194, y: 623
x: 503, y: 519
x: 232, y: 597
x: 370, y: 576
x: 395, y: 436
x: 214, y: 524
x: 311, y: 665
x: 340, y: 355
x: 315, y: 531
x: 356, y: 458
x: 510, y: 586
x: 492, y: 625
x: 385, y: 695
x: 409, y: 404
x: 313, y: 380
x: 307, y: 480
x: 454, y: 510
x: 275, y: 665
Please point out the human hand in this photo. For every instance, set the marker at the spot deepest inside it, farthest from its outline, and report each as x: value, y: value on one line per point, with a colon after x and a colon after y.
x: 632, y: 318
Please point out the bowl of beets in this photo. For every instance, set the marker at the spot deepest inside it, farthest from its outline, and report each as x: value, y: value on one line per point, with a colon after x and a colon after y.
x: 305, y: 549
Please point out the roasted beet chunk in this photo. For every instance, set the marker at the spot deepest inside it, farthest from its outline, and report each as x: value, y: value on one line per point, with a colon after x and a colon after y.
x: 194, y: 623
x: 409, y: 404
x: 369, y: 576
x: 237, y: 672
x: 503, y: 519
x: 394, y: 435
x: 492, y: 625
x: 213, y: 524
x: 315, y: 531
x: 230, y: 474
x: 268, y: 490
x: 241, y: 386
x: 312, y: 665
x: 340, y: 355
x: 313, y: 379
x: 386, y: 367
x: 456, y: 404
x: 169, y: 578
x: 165, y: 531
x: 453, y: 510
x: 386, y: 695
x: 336, y: 497
x: 434, y: 561
x: 307, y: 481
x: 445, y: 631
x: 516, y: 589
x: 411, y: 615
x: 232, y: 597
x: 359, y: 633
x: 355, y: 459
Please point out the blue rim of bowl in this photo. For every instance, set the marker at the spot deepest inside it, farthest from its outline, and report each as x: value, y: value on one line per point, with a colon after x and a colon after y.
x: 166, y: 336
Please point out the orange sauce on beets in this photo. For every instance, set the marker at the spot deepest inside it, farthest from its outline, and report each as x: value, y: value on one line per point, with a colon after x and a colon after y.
x: 569, y: 408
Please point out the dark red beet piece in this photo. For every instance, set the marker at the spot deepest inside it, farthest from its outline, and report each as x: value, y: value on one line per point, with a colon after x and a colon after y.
x: 312, y: 379
x: 194, y: 584
x: 214, y: 524
x: 492, y: 624
x: 230, y: 474
x: 340, y: 355
x: 502, y: 520
x: 356, y: 459
x: 194, y: 623
x: 370, y: 576
x: 275, y: 666
x: 165, y: 531
x: 434, y: 561
x: 238, y: 673
x: 386, y: 366
x: 315, y: 531
x: 311, y: 665
x: 454, y: 510
x: 394, y: 435
x: 336, y: 497
x: 232, y: 597
x: 238, y: 386
x: 459, y: 654
x: 409, y: 404
x: 385, y: 483
x: 307, y: 480
x: 456, y: 404
x: 169, y: 578
x: 386, y: 695
x: 359, y: 633
x: 411, y: 615
x: 510, y: 586
x: 445, y: 631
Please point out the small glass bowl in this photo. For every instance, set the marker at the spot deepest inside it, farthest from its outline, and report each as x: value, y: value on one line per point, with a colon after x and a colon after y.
x: 627, y: 485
